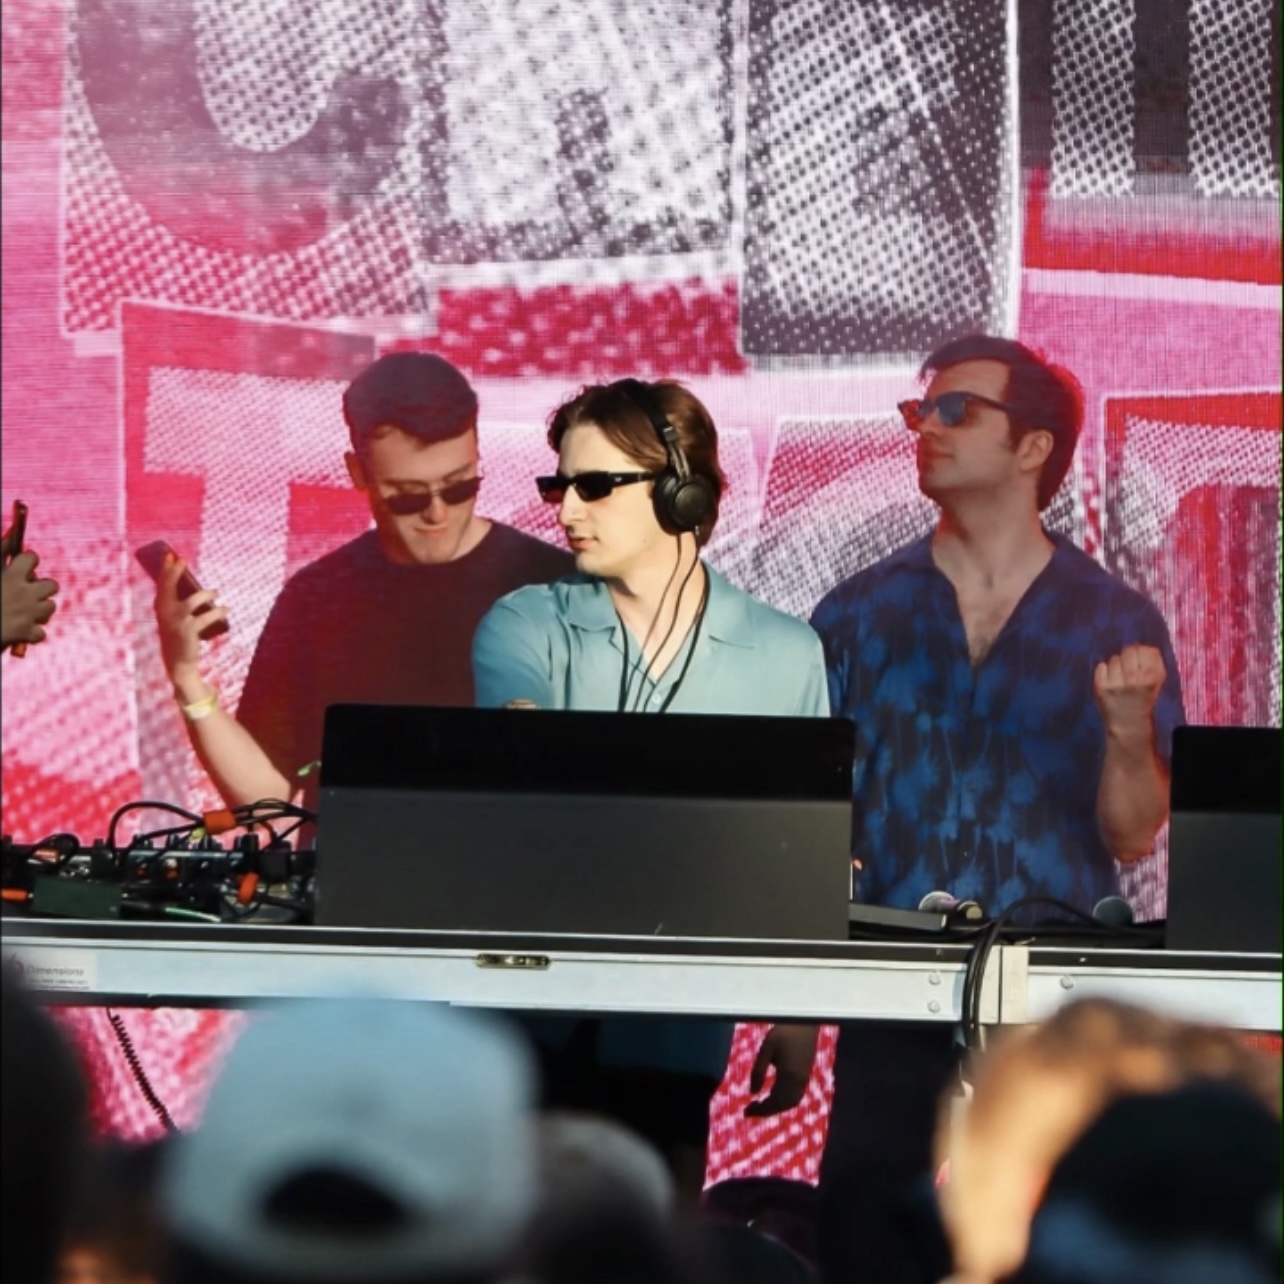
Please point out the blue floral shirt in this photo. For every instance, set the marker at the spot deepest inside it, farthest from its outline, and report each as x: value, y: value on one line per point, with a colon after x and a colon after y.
x: 982, y: 781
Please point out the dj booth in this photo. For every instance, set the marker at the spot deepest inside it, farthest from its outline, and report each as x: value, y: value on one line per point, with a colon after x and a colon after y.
x: 194, y: 965
x: 713, y: 885
x: 712, y: 895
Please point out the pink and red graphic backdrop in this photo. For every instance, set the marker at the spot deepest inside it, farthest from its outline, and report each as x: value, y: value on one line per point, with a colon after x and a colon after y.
x: 214, y: 213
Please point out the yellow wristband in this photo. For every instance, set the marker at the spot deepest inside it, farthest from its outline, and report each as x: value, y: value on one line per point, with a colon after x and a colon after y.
x: 202, y: 708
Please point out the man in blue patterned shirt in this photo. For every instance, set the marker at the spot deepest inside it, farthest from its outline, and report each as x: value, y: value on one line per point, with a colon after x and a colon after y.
x: 1014, y: 706
x: 1014, y: 702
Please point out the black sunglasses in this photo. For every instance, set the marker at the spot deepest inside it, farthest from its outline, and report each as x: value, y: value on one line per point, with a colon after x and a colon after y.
x: 950, y: 408
x: 588, y: 486
x: 410, y: 503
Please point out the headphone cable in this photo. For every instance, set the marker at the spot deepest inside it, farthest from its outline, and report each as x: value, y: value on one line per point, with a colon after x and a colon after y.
x: 673, y: 624
x: 627, y: 672
x: 691, y: 648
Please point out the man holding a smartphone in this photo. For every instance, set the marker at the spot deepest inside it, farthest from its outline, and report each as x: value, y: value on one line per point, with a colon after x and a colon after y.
x: 28, y: 603
x: 387, y: 618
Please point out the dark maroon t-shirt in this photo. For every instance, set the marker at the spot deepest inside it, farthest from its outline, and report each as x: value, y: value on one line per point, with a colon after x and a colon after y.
x: 356, y: 628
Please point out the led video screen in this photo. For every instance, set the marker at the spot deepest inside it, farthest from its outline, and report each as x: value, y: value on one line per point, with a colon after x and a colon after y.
x: 216, y: 213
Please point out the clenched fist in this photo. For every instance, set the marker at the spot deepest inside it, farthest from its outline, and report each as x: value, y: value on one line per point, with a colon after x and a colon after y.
x: 1126, y: 687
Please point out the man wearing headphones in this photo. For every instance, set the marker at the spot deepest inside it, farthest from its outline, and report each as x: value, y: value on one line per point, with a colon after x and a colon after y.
x: 644, y: 626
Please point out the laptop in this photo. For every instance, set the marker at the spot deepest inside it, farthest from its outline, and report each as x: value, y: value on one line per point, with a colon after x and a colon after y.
x: 1224, y: 840
x: 597, y: 824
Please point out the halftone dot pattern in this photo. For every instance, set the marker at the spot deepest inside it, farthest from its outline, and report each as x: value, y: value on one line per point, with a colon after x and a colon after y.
x: 894, y: 94
x: 1191, y: 508
x: 56, y: 778
x: 178, y: 1049
x: 1211, y: 493
x: 817, y: 529
x: 266, y: 67
x: 1093, y: 97
x: 602, y: 123
x: 646, y: 329
x: 351, y: 239
x: 1230, y: 99
x: 248, y: 437
x: 513, y: 455
x: 879, y: 143
x: 821, y: 525
x: 730, y: 550
x: 328, y: 157
x: 790, y: 1145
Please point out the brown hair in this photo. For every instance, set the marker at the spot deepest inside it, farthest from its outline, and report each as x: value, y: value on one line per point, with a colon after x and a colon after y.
x: 419, y: 393
x: 627, y: 426
x: 1043, y: 396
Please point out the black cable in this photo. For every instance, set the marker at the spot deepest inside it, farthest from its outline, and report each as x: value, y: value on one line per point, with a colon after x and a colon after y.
x: 66, y: 844
x: 673, y: 624
x: 274, y: 809
x: 53, y: 840
x: 974, y: 982
x: 140, y: 1075
x: 988, y: 936
x: 286, y: 834
x: 278, y: 807
x: 677, y: 609
x: 146, y: 804
x: 274, y: 839
x: 256, y: 815
x: 691, y: 650
x: 250, y: 815
x: 627, y: 674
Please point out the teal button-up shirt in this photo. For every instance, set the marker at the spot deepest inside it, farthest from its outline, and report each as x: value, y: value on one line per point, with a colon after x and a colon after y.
x: 561, y: 646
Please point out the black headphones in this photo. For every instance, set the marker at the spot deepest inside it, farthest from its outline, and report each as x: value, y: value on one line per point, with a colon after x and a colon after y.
x: 683, y: 501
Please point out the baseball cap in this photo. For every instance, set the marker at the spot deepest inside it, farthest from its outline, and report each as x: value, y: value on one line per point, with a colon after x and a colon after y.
x: 361, y: 1138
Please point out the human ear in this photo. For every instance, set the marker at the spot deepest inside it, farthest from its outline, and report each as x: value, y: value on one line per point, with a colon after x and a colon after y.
x: 1034, y: 448
x: 356, y: 470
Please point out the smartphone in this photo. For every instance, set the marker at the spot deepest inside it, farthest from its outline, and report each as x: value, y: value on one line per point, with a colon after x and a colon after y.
x: 16, y: 535
x: 151, y: 557
x: 16, y: 538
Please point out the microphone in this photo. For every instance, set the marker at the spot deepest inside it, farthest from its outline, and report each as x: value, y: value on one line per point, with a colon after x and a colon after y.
x: 1113, y: 911
x: 944, y: 903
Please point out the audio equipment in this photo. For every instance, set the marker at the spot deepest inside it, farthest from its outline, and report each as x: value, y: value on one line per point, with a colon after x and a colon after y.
x: 958, y: 911
x: 1224, y: 840
x: 1114, y: 911
x: 502, y: 820
x: 684, y: 501
x: 59, y: 877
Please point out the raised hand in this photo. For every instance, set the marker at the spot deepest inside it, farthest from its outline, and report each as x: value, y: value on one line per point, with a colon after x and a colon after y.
x: 28, y: 602
x: 1126, y: 687
x: 179, y: 625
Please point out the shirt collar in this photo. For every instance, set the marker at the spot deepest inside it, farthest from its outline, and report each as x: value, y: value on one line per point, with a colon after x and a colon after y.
x: 918, y: 554
x: 727, y: 617
x: 915, y: 556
